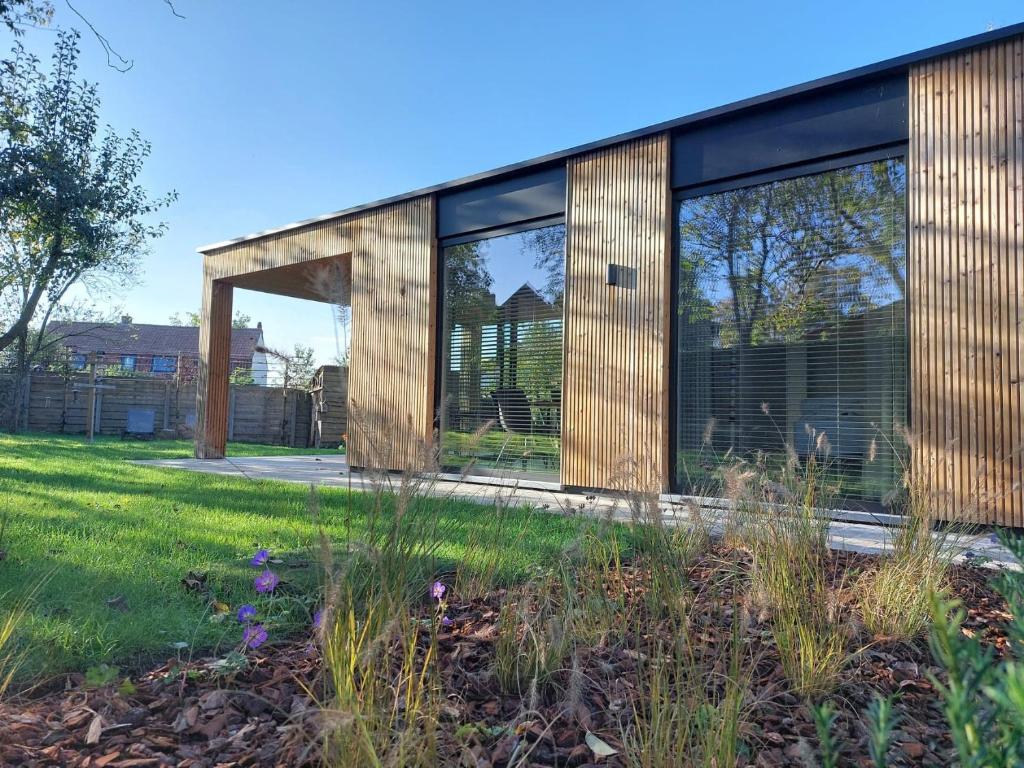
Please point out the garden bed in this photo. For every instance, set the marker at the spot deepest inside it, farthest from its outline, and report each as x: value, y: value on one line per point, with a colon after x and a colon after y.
x: 190, y: 715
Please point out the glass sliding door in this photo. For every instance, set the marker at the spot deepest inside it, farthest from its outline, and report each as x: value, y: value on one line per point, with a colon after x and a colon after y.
x: 791, y: 331
x: 501, y: 372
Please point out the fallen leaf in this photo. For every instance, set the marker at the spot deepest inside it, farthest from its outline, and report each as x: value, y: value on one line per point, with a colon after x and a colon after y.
x: 95, y: 729
x: 598, y: 747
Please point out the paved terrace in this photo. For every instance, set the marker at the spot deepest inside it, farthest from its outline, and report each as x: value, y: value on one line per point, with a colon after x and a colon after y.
x: 857, y: 532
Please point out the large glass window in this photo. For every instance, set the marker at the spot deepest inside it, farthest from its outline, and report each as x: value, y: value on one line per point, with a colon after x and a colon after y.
x: 501, y: 385
x: 791, y: 327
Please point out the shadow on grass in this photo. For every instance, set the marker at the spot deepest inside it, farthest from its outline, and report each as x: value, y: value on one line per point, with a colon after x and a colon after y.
x: 107, y: 529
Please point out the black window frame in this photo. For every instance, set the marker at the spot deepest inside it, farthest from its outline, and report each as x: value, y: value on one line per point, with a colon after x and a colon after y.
x: 484, y: 234
x: 900, y: 151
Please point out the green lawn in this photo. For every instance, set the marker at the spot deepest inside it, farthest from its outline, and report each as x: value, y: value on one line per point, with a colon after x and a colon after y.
x: 110, y: 542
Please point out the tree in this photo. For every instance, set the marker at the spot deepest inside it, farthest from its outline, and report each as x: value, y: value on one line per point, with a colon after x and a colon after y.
x: 193, y: 318
x: 300, y: 367
x: 241, y: 377
x: 14, y: 14
x: 42, y: 347
x: 547, y: 246
x: 777, y: 263
x: 70, y: 205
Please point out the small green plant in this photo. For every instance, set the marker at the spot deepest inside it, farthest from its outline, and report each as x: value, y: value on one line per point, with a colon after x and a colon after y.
x: 687, y: 714
x: 882, y: 721
x: 101, y: 675
x: 593, y: 578
x: 533, y: 637
x: 983, y: 698
x: 811, y: 643
x: 383, y: 705
x: 790, y: 576
x: 824, y: 715
x: 10, y: 659
x: 665, y: 551
x: 894, y: 596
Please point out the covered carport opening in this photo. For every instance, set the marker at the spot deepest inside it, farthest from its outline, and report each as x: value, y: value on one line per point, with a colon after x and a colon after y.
x: 326, y: 280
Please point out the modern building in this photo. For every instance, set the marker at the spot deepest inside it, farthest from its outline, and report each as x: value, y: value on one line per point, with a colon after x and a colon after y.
x: 808, y: 272
x: 157, y: 351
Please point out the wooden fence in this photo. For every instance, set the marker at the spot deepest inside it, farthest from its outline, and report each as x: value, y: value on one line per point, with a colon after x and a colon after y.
x: 164, y: 408
x: 329, y: 393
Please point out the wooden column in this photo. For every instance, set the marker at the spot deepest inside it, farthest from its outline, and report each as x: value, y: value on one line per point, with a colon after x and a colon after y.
x: 212, y: 382
x: 394, y: 300
x: 616, y: 339
x: 965, y: 195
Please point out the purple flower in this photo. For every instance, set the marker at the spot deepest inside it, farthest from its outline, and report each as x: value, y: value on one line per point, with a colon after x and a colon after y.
x: 260, y: 558
x: 267, y: 581
x: 254, y: 635
x: 446, y: 622
x: 246, y: 613
x: 437, y: 591
x: 318, y: 617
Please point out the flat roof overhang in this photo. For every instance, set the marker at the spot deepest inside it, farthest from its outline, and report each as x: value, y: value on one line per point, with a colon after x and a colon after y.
x: 849, y: 77
x: 327, y: 280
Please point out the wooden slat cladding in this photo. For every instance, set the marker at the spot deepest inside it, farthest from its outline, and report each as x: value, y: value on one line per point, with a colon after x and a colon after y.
x: 306, y: 263
x: 393, y: 299
x: 394, y: 293
x: 212, y: 382
x: 966, y: 278
x: 330, y: 237
x: 615, y: 418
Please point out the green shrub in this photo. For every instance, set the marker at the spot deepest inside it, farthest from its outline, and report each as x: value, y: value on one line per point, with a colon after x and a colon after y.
x: 882, y: 721
x: 983, y: 698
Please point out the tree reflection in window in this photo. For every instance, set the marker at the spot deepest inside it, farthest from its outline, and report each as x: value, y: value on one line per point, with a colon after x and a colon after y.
x: 791, y: 323
x: 501, y: 388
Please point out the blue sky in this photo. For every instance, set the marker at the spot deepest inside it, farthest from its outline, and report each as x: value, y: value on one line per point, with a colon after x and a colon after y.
x: 262, y: 113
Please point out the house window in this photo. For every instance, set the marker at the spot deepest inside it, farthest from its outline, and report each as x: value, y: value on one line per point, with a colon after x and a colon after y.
x: 164, y: 364
x: 501, y: 374
x: 791, y: 330
x: 78, y: 362
x: 128, y: 362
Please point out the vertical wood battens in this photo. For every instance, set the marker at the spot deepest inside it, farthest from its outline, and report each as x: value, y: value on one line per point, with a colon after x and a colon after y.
x: 966, y: 273
x: 616, y: 365
x: 394, y: 293
x: 211, y: 433
x: 315, y: 241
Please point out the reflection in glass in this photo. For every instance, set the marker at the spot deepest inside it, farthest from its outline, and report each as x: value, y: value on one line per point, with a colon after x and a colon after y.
x: 791, y: 325
x: 501, y: 388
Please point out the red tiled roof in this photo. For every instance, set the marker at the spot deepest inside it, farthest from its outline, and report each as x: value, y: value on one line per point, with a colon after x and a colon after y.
x: 145, y: 339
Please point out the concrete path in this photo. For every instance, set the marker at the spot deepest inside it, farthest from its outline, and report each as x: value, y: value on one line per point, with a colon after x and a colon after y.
x: 856, y: 532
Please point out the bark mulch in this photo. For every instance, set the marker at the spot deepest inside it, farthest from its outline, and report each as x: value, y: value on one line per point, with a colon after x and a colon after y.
x: 264, y: 716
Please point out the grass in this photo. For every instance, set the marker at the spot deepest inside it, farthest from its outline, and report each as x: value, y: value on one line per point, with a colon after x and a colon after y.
x: 895, y: 596
x: 500, y: 450
x: 115, y: 540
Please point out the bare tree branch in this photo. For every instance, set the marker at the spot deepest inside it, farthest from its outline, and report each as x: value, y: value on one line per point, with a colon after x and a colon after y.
x: 107, y: 47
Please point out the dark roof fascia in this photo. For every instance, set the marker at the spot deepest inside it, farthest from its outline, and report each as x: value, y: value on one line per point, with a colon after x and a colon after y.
x: 870, y: 71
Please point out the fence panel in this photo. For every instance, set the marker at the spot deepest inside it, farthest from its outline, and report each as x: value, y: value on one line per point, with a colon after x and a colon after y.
x: 60, y: 404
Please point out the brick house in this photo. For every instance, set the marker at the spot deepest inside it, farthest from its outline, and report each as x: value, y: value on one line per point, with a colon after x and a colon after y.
x: 159, y: 351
